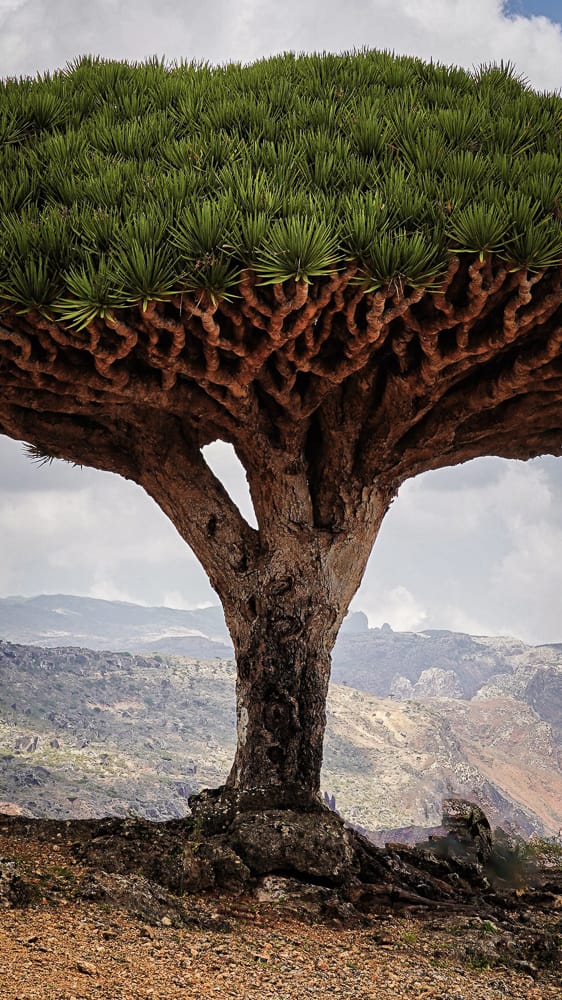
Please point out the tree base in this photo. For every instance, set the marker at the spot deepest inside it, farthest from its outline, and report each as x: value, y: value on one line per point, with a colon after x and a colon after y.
x: 277, y: 831
x: 306, y: 861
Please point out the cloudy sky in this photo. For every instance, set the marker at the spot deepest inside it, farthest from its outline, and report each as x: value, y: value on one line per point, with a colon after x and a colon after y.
x: 477, y: 548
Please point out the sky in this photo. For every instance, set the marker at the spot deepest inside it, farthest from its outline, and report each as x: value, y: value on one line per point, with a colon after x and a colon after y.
x: 477, y: 548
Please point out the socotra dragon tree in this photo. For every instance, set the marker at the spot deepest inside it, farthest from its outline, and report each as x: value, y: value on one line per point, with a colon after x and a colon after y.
x: 347, y: 266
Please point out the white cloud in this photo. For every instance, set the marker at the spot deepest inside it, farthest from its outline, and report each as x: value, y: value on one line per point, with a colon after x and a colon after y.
x: 102, y: 538
x: 478, y: 548
x: 44, y: 34
x: 226, y: 465
x: 516, y: 494
x: 397, y: 606
x: 105, y: 590
x: 528, y: 579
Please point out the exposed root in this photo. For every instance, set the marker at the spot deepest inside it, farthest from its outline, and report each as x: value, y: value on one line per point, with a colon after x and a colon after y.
x: 307, y: 859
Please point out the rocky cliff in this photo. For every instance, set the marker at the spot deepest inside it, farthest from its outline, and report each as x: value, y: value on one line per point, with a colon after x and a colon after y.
x: 88, y: 733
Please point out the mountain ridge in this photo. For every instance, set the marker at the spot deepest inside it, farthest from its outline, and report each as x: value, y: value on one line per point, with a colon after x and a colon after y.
x: 411, y: 719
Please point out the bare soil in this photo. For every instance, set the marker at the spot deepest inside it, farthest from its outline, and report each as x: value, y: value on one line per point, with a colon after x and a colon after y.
x: 70, y: 930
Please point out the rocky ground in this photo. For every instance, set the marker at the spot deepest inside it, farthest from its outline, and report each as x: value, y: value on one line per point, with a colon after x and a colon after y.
x: 84, y: 917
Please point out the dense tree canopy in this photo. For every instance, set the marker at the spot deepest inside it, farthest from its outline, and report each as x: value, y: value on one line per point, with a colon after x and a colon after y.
x: 128, y: 184
x: 188, y: 190
x: 125, y: 186
x: 347, y: 266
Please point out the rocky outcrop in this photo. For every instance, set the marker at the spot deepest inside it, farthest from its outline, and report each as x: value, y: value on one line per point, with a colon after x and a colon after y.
x: 544, y: 695
x: 467, y: 828
x: 432, y: 683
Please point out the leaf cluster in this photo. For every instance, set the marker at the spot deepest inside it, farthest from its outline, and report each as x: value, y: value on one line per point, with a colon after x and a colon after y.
x: 125, y: 183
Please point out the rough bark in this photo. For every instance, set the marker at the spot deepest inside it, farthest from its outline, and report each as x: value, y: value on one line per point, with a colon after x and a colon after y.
x: 283, y: 668
x: 285, y: 591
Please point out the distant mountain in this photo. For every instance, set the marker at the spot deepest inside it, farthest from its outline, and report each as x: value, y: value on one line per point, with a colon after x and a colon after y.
x: 86, y: 732
x: 412, y: 716
x: 379, y: 661
x: 418, y: 664
x: 59, y: 619
x: 62, y: 620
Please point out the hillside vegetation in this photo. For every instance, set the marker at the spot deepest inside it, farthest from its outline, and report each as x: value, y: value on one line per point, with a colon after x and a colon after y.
x: 88, y: 733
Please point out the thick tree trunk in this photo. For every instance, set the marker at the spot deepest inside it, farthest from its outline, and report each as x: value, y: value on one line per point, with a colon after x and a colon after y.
x: 285, y: 590
x: 283, y: 637
x: 283, y: 660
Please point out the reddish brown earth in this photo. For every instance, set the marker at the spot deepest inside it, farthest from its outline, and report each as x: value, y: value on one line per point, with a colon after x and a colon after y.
x: 57, y: 943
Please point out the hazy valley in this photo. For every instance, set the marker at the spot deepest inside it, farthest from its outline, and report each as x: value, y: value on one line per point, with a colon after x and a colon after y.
x: 411, y: 717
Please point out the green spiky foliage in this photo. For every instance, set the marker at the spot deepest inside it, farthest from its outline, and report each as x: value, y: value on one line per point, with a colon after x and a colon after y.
x: 123, y: 184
